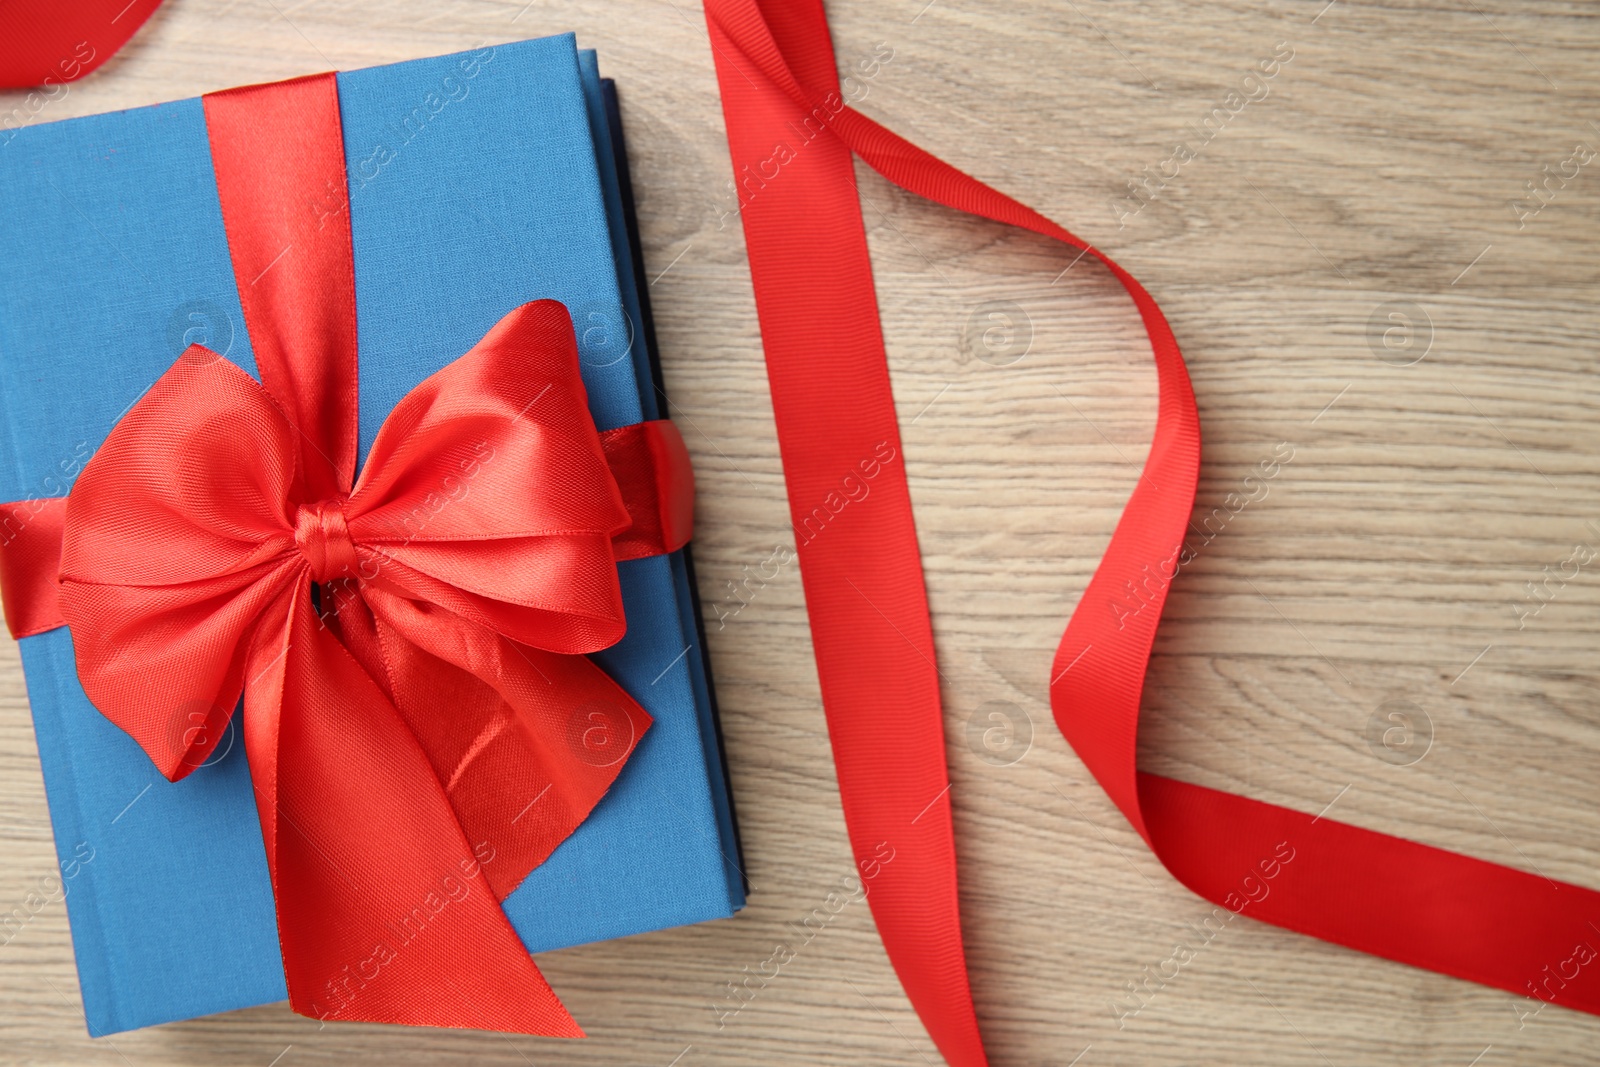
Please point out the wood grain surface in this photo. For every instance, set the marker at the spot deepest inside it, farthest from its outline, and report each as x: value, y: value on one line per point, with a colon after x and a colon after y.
x: 1367, y: 311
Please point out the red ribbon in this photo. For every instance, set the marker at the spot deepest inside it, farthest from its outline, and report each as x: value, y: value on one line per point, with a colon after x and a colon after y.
x: 47, y: 43
x: 869, y: 615
x: 422, y: 725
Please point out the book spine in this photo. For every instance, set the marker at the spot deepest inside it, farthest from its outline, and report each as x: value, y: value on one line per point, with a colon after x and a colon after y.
x: 652, y: 386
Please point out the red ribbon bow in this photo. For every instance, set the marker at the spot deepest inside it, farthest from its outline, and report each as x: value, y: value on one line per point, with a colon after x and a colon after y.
x: 421, y: 724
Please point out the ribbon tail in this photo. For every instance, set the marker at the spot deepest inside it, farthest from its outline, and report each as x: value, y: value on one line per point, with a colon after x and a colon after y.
x: 30, y: 560
x: 532, y: 741
x: 651, y: 466
x: 1406, y: 901
x: 385, y: 910
x: 862, y: 575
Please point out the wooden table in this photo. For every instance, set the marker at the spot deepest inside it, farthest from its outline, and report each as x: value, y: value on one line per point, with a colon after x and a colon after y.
x: 1361, y: 300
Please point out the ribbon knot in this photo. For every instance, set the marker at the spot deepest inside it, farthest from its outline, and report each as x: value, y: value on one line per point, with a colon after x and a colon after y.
x: 323, y: 535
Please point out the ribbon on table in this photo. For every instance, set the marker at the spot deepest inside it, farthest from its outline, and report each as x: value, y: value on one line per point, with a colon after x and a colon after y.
x: 422, y: 724
x: 47, y: 43
x: 791, y: 136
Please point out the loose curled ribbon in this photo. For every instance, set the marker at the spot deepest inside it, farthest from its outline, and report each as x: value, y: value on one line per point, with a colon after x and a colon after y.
x: 421, y: 722
x: 49, y: 44
x: 1420, y: 905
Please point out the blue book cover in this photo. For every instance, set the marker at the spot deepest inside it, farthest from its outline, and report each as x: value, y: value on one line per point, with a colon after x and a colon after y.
x: 477, y: 182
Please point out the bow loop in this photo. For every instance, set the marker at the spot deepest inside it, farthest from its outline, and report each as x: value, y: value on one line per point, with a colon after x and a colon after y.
x: 176, y: 539
x: 219, y: 498
x: 488, y: 493
x: 499, y: 444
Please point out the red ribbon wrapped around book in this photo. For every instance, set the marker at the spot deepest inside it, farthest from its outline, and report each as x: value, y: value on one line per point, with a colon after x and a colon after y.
x: 410, y: 643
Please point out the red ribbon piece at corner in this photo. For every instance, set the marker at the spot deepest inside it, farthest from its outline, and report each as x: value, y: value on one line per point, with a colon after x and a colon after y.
x: 869, y: 614
x: 420, y: 715
x: 43, y: 42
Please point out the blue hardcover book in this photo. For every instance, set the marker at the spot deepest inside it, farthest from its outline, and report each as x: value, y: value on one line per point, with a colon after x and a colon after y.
x: 477, y: 182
